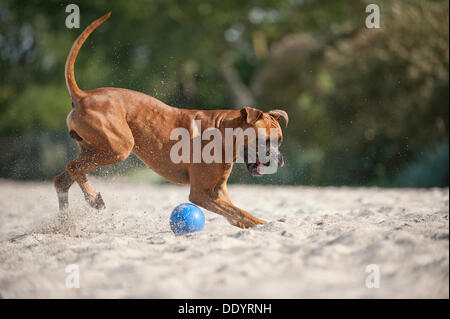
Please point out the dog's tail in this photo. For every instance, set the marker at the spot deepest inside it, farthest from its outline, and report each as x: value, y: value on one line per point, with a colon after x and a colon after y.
x: 74, y: 91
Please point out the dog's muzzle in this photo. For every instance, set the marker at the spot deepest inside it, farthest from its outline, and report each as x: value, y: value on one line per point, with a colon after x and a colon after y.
x: 256, y: 167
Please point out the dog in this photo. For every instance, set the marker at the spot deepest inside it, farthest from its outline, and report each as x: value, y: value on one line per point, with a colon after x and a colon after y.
x: 110, y: 123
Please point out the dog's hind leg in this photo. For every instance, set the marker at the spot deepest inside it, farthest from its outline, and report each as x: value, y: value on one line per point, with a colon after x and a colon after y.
x: 76, y: 170
x: 87, y: 161
x: 62, y: 184
x: 103, y: 140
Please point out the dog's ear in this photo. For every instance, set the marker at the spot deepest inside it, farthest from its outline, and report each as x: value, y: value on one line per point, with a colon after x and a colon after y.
x: 251, y: 115
x: 276, y: 114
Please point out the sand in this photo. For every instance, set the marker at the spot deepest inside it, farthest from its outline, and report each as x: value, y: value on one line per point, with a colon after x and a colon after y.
x: 317, y: 244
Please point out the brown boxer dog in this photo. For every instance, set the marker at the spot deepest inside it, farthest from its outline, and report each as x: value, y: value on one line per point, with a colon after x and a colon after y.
x: 110, y: 123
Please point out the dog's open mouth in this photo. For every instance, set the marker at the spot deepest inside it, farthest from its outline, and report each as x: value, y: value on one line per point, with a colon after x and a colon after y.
x: 257, y: 168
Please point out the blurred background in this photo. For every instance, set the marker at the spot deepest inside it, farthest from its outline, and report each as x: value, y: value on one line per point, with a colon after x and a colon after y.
x: 366, y: 106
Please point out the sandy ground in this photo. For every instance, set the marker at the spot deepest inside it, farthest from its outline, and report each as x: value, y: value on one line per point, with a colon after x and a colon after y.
x: 317, y: 244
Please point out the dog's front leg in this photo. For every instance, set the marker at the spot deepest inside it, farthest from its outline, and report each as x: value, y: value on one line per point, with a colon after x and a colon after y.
x: 208, y: 190
x: 235, y: 216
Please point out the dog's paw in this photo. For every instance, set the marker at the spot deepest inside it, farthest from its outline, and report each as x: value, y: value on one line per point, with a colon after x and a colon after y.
x: 246, y: 222
x: 98, y: 202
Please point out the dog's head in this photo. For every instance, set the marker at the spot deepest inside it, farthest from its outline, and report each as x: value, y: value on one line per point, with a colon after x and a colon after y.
x: 269, y: 137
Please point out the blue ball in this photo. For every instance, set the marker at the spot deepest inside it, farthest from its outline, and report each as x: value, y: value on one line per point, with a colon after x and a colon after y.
x: 186, y: 218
